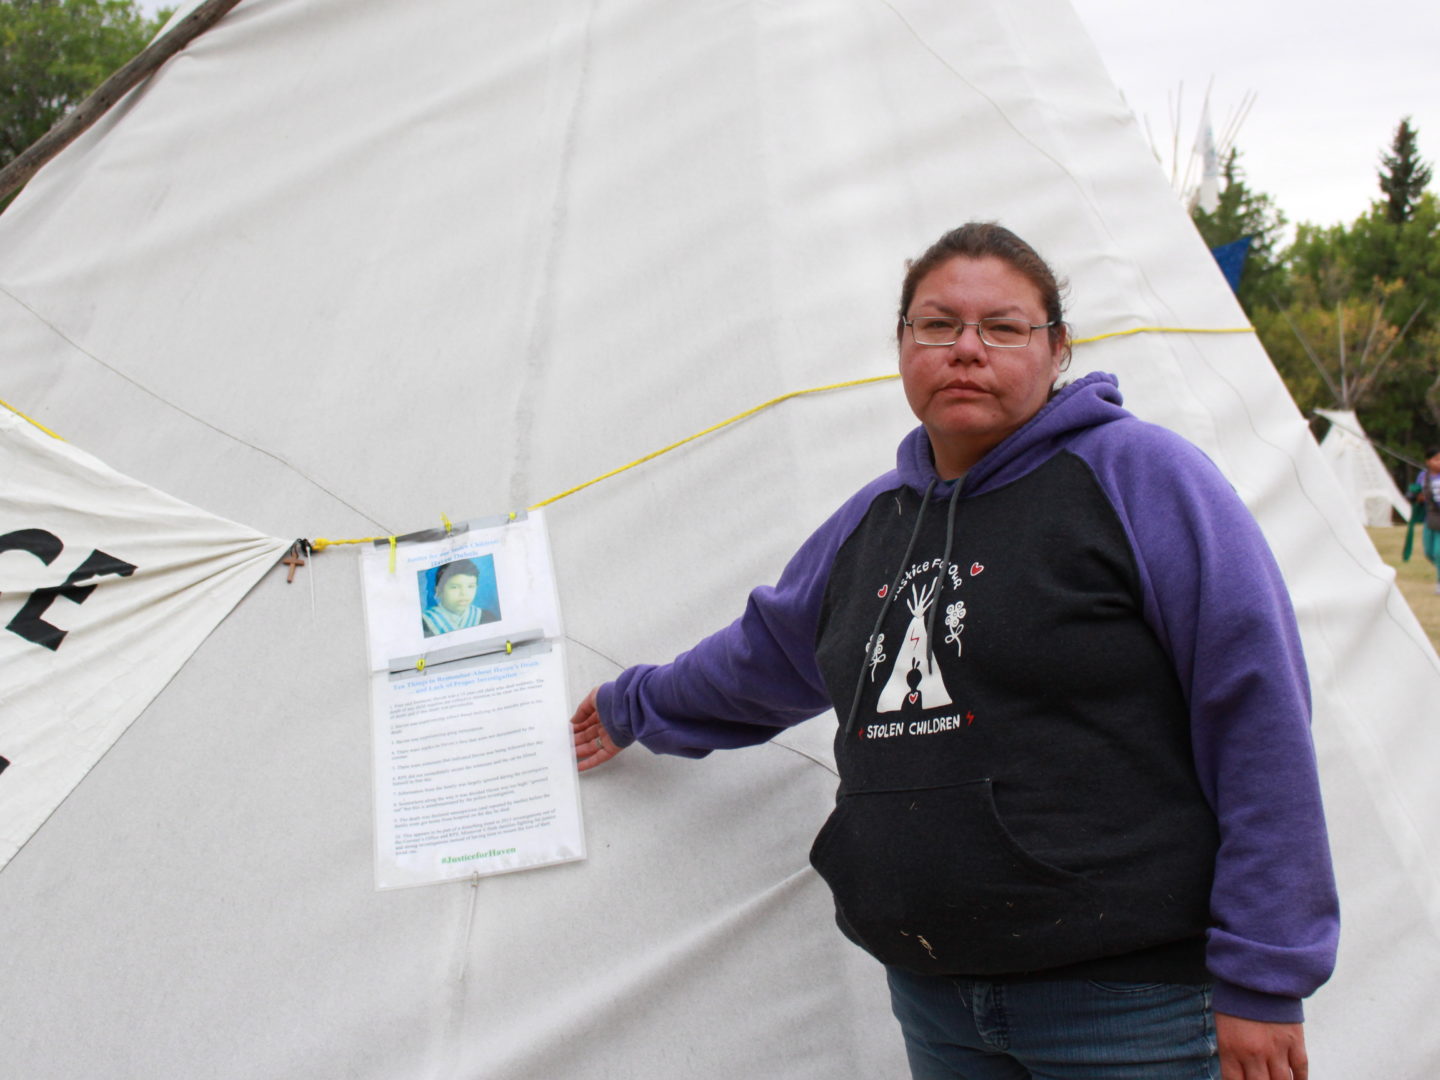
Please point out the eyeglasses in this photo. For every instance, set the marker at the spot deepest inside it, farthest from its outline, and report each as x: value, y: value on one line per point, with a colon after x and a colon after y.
x: 998, y: 333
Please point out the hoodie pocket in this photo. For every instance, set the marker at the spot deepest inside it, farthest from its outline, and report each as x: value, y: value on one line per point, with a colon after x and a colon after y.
x: 932, y: 881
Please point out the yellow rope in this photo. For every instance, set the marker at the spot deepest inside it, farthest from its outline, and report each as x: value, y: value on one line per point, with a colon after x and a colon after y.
x: 859, y: 382
x: 320, y: 545
x: 37, y: 423
x: 1166, y: 330
x: 713, y: 427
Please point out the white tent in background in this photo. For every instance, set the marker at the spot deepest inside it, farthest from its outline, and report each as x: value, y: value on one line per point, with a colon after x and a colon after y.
x: 341, y: 267
x: 1362, y: 475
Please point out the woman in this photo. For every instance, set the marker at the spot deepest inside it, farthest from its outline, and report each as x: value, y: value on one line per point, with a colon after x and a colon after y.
x: 1078, y: 817
x: 1427, y: 493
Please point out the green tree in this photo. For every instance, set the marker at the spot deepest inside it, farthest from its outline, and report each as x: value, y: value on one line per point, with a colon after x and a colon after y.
x: 1377, y: 249
x: 1403, y: 175
x: 1374, y: 273
x: 1350, y: 345
x: 1242, y: 212
x: 1337, y: 348
x: 1363, y: 292
x: 53, y: 53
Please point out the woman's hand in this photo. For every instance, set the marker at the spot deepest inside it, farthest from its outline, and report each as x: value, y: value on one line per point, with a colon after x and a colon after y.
x: 1254, y: 1050
x: 592, y: 743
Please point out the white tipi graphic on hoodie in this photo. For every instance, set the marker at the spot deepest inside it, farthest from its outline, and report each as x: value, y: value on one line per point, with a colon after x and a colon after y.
x: 902, y: 688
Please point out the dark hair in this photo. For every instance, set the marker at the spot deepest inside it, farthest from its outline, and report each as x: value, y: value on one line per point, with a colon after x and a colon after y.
x: 450, y: 569
x: 986, y: 239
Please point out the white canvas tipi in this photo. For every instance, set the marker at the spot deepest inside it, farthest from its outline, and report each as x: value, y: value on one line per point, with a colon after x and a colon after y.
x: 343, y: 267
x: 915, y: 679
x: 1363, y: 478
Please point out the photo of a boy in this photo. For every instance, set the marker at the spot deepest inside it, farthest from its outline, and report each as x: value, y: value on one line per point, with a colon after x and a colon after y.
x: 463, y: 596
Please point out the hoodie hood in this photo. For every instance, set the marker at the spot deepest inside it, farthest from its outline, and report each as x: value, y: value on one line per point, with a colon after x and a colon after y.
x: 1087, y: 402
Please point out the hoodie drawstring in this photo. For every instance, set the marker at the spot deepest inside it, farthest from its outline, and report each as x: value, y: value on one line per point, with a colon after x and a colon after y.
x: 940, y: 584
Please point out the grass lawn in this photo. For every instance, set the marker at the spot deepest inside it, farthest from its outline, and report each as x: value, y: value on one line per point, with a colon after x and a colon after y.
x: 1416, y: 578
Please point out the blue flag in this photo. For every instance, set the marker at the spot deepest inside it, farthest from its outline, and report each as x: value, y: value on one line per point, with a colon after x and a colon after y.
x: 1231, y: 258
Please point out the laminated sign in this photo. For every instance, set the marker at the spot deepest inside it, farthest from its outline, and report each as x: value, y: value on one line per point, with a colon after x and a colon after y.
x: 106, y: 588
x: 474, y: 767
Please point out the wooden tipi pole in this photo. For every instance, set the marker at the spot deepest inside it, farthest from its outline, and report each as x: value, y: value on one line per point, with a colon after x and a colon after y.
x: 74, y: 123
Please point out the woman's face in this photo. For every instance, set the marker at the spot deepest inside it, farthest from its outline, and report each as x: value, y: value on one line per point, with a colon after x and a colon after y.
x: 458, y: 593
x: 969, y: 395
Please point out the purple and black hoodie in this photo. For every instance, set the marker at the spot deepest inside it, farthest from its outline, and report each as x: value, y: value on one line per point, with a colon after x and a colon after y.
x: 1073, y: 734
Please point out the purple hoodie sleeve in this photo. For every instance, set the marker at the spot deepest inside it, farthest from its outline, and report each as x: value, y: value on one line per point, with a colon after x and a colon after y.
x: 748, y: 682
x: 1215, y: 598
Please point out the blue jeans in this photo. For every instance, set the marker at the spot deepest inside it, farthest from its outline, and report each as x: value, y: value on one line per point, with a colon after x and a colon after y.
x: 1068, y: 1029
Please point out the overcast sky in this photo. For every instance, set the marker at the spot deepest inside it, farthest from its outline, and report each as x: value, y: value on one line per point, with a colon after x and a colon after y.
x: 1331, y: 82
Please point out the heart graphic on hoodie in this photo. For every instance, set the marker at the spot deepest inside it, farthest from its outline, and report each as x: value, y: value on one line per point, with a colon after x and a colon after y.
x: 975, y: 568
x: 883, y: 590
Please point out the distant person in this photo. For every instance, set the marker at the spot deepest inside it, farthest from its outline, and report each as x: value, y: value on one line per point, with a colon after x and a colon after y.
x: 1427, y: 486
x: 455, y: 607
x: 1088, y: 845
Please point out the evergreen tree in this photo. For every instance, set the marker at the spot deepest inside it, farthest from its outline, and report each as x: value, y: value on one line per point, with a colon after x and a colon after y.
x: 1403, y: 175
